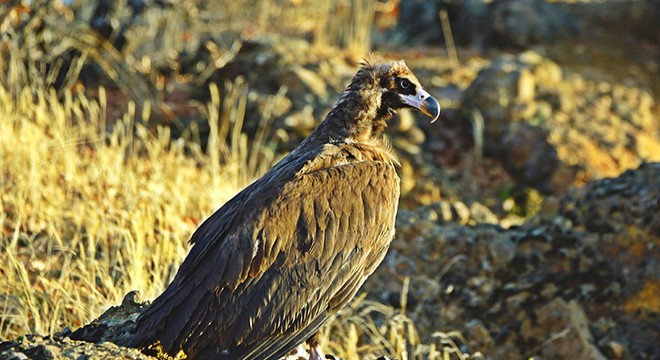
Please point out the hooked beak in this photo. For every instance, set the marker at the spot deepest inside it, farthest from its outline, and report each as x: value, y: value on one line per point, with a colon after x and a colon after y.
x: 423, y: 102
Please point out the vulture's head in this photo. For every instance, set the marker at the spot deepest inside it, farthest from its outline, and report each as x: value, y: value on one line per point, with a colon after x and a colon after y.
x: 400, y: 89
x: 376, y: 92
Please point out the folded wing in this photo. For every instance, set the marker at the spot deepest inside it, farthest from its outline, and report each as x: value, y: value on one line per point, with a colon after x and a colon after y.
x: 269, y: 267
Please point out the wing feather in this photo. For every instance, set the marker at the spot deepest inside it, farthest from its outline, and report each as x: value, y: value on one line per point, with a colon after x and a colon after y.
x: 259, y: 286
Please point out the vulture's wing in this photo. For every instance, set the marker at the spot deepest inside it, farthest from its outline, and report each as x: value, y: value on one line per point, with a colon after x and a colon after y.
x: 271, y: 265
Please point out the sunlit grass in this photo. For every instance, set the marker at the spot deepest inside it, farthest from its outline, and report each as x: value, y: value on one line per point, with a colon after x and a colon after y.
x: 89, y: 215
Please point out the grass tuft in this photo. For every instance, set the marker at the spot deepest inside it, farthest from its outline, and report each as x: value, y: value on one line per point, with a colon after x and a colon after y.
x: 89, y: 215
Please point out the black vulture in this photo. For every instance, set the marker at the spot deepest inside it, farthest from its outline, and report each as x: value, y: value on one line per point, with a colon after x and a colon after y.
x: 291, y: 249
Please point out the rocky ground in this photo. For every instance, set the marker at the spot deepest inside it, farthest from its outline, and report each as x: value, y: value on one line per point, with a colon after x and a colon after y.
x: 530, y: 213
x: 580, y: 282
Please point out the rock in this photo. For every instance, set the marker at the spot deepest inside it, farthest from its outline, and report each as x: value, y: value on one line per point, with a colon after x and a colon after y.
x: 46, y: 352
x: 13, y: 355
x: 502, y: 89
x: 566, y: 330
x: 56, y: 347
x: 101, y: 338
x: 482, y: 214
x: 418, y: 19
x: 502, y: 251
x: 479, y: 336
x: 115, y: 325
x: 616, y: 350
x: 509, y: 23
x: 462, y: 212
x: 553, y: 130
x: 523, y: 23
x: 528, y: 154
x: 635, y: 19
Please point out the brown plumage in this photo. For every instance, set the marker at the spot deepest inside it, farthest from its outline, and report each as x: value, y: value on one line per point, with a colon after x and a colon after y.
x: 269, y: 267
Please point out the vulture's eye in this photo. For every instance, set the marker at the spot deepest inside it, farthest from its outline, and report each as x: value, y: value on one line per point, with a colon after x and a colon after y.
x: 404, y: 83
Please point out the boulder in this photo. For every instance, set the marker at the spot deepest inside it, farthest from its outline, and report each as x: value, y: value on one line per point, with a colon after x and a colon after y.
x: 521, y: 23
x: 553, y: 129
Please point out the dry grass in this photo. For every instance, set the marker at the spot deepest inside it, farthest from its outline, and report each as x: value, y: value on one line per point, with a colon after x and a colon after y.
x: 346, y: 24
x: 89, y: 215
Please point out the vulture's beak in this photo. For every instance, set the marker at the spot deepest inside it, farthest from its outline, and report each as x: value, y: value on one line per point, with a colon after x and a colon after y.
x: 423, y: 102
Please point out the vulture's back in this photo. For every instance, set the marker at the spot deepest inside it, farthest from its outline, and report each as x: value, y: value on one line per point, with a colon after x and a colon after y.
x: 271, y: 265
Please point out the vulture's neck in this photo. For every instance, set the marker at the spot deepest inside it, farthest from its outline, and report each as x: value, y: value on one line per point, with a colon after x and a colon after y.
x: 357, y: 116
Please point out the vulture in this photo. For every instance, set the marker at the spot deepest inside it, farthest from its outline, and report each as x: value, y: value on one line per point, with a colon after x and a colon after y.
x: 292, y: 248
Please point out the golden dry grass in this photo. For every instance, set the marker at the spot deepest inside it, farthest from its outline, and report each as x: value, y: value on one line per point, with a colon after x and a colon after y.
x: 89, y: 215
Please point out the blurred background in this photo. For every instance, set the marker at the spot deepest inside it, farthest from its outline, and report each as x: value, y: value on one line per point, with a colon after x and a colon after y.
x: 529, y: 222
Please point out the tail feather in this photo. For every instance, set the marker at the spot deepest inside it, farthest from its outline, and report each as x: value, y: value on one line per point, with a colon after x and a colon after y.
x: 165, y: 319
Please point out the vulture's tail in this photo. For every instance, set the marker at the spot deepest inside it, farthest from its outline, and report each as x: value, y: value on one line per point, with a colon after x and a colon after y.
x: 168, y: 320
